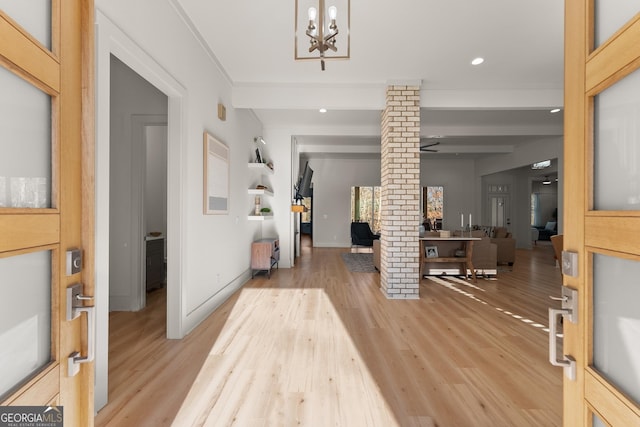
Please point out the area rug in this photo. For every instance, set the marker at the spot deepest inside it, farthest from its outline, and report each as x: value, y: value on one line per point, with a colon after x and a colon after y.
x: 359, y: 262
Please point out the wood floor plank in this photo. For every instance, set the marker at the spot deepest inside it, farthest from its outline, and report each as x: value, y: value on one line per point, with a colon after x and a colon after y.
x: 317, y: 345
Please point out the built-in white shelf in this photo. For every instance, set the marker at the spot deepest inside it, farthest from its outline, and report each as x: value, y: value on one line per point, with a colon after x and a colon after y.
x: 260, y: 192
x: 262, y: 167
x: 260, y: 217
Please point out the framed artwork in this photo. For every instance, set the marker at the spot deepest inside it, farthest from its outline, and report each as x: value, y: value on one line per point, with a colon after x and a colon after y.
x: 216, y: 176
x: 431, y: 251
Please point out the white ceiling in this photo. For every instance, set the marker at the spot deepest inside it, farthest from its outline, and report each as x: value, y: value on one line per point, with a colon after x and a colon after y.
x: 474, y: 109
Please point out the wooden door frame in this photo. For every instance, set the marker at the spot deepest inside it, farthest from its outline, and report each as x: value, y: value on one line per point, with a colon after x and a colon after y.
x: 573, y: 219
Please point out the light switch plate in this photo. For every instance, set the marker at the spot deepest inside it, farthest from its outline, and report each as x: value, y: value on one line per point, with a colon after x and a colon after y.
x: 570, y: 263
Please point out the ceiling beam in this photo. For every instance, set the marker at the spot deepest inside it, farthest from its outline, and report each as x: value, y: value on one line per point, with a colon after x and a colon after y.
x: 372, y: 97
x: 442, y: 149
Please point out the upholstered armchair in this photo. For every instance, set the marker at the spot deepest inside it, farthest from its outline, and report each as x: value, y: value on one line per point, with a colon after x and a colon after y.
x: 361, y: 234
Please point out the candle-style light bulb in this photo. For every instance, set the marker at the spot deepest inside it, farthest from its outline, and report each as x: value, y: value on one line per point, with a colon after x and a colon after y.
x: 312, y: 13
x: 333, y: 12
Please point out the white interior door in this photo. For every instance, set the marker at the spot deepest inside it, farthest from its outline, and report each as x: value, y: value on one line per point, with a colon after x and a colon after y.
x: 500, y: 210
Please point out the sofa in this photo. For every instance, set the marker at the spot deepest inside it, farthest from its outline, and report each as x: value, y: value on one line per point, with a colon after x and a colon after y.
x: 505, y: 242
x: 549, y: 229
x: 485, y: 257
x: 485, y: 253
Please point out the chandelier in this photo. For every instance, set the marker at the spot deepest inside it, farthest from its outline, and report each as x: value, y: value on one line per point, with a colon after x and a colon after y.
x: 326, y: 30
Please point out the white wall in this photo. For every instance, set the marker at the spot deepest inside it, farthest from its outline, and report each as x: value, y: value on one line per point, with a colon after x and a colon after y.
x: 333, y: 179
x: 332, y: 182
x: 278, y: 151
x: 464, y: 190
x: 208, y: 262
x: 460, y: 196
x: 208, y: 256
x: 155, y: 207
x: 502, y: 170
x: 521, y: 186
x: 543, y: 149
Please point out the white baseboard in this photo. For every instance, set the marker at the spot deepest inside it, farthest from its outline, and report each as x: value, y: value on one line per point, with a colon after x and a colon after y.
x: 196, y: 316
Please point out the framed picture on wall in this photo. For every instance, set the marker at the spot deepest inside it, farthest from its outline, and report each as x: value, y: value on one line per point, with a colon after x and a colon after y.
x: 216, y: 176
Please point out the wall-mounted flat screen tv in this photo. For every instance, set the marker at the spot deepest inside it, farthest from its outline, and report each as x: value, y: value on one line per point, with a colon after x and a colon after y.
x: 303, y: 189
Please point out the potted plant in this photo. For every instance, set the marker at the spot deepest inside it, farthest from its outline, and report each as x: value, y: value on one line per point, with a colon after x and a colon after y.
x: 265, y: 211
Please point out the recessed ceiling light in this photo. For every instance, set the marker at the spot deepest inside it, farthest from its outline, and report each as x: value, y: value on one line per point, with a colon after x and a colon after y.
x: 323, y: 110
x: 555, y: 110
x: 477, y: 61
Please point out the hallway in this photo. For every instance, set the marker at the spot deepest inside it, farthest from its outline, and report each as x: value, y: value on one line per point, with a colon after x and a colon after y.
x: 317, y: 345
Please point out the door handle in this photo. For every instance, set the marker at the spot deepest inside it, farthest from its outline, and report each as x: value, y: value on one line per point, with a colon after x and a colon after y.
x: 75, y: 308
x: 569, y: 311
x: 567, y: 362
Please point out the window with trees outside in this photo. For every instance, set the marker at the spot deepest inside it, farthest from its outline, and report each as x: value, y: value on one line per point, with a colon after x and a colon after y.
x: 366, y: 206
x: 432, y: 203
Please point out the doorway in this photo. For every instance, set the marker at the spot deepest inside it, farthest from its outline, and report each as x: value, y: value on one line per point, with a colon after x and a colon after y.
x: 499, y: 205
x: 111, y: 41
x: 138, y: 110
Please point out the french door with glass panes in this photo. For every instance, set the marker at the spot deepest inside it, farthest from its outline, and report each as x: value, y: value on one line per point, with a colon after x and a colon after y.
x: 601, y: 255
x: 46, y: 205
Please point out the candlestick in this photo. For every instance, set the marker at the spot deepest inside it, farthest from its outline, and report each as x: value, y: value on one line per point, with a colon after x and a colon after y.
x: 462, y: 220
x: 469, y: 221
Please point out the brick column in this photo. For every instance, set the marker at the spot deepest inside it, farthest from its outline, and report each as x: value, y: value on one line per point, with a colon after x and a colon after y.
x: 399, y: 254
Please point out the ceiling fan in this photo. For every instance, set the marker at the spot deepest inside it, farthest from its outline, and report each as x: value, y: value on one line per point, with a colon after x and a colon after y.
x: 426, y: 148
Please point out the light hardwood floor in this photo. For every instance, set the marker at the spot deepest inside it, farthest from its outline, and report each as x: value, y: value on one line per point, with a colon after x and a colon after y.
x: 317, y: 345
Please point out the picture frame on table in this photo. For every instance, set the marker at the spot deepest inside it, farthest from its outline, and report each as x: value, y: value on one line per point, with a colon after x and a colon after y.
x: 259, y: 158
x: 216, y: 176
x: 431, y: 251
